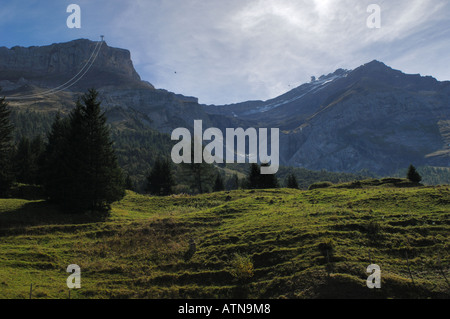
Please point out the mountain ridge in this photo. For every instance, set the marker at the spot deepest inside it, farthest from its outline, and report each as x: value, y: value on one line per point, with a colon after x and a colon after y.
x: 372, y: 117
x: 361, y: 71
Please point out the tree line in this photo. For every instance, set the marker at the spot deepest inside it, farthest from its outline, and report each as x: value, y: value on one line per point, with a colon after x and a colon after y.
x: 78, y: 167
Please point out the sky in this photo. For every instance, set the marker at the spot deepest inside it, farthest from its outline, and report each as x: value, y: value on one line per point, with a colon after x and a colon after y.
x: 228, y: 51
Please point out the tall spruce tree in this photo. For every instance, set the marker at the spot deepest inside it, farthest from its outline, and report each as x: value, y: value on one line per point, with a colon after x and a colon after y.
x: 199, y: 176
x: 256, y: 180
x: 253, y: 177
x: 413, y: 175
x: 27, y: 160
x: 160, y: 181
x: 267, y: 180
x: 129, y: 185
x: 235, y: 183
x: 231, y: 182
x: 6, y: 129
x: 292, y: 182
x: 219, y: 184
x: 82, y: 150
x: 55, y: 167
x: 23, y: 161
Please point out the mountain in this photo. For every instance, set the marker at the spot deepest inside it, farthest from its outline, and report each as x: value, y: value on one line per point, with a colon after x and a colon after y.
x: 28, y: 77
x: 371, y: 118
x: 52, y: 65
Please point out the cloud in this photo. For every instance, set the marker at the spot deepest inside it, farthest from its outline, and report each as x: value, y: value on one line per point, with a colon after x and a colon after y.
x: 232, y: 51
x: 237, y: 50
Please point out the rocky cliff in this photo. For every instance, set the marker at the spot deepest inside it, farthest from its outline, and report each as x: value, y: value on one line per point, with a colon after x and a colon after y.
x: 27, y: 75
x: 56, y: 63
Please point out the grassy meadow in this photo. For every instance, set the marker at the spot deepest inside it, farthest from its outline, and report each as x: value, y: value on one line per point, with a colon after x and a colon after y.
x: 280, y: 243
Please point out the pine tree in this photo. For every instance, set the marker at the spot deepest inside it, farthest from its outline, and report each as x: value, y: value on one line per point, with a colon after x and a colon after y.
x: 160, y: 181
x: 218, y: 184
x: 99, y: 180
x: 235, y: 183
x: 292, y: 182
x: 27, y: 160
x: 232, y: 182
x: 129, y: 185
x: 91, y: 178
x: 256, y: 180
x: 6, y: 129
x: 413, y: 175
x: 199, y: 176
x: 55, y: 167
x: 253, y: 180
x: 22, y: 161
x: 268, y: 180
x: 154, y: 179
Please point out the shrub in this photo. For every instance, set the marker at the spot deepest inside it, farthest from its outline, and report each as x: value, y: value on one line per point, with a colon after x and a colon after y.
x: 241, y: 267
x: 373, y: 228
x: 320, y: 185
x: 326, y: 247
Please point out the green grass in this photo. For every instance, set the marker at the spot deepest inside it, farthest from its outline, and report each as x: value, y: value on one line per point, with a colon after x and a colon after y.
x: 302, y: 244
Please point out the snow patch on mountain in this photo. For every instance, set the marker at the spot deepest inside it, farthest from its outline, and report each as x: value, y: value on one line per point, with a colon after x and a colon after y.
x: 303, y: 90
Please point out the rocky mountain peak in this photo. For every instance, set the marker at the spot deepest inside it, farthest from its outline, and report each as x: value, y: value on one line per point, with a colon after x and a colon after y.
x: 376, y: 64
x: 53, y: 64
x: 375, y: 67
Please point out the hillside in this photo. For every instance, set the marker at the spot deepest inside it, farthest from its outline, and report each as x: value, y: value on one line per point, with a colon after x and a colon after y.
x: 301, y: 244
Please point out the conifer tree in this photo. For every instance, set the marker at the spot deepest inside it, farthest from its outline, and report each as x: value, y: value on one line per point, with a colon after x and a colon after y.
x: 27, y: 160
x: 160, y: 181
x: 232, y: 182
x: 256, y: 180
x: 22, y: 161
x: 218, y: 184
x: 55, y: 168
x: 199, y: 176
x: 413, y: 175
x: 292, y: 182
x: 129, y: 185
x: 267, y: 180
x: 6, y: 129
x: 253, y: 180
x: 82, y: 150
x: 235, y: 182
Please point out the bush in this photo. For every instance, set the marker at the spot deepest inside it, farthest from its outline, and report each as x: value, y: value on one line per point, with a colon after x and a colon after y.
x: 326, y: 247
x: 373, y: 229
x: 320, y: 185
x: 241, y: 267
